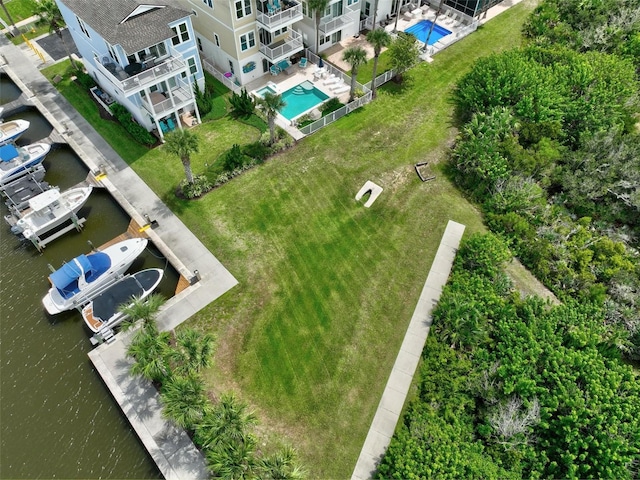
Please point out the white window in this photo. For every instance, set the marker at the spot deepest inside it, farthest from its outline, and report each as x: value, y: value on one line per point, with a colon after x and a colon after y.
x: 193, y: 67
x: 112, y: 52
x: 305, y: 9
x: 280, y: 31
x: 243, y: 7
x: 247, y: 41
x: 351, y: 2
x: 208, y: 2
x: 83, y: 27
x: 199, y: 40
x: 181, y: 34
x: 217, y: 39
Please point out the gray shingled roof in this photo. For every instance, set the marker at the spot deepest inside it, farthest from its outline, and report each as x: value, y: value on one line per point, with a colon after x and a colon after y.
x: 143, y: 31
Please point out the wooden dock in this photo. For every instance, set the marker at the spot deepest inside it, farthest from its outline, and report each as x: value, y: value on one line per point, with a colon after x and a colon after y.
x: 133, y: 231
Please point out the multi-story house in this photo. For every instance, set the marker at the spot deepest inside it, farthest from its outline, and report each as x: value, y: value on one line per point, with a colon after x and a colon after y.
x: 143, y: 55
x: 244, y: 38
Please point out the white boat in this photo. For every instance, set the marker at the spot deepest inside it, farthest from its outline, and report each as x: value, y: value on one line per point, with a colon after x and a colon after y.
x: 10, y: 131
x: 78, y: 281
x: 49, y: 210
x: 15, y: 160
x: 103, y: 312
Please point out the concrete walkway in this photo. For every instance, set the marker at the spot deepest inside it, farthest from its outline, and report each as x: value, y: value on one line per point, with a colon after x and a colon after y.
x: 173, y: 451
x: 394, y: 395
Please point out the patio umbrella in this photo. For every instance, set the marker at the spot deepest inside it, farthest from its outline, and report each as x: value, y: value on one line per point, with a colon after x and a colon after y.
x: 320, y: 63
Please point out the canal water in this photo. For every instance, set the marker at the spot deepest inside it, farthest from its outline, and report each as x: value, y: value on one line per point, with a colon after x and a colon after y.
x: 57, y: 419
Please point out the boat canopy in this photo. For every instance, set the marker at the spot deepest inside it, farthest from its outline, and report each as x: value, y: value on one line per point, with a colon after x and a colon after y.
x: 65, y: 279
x: 8, y: 153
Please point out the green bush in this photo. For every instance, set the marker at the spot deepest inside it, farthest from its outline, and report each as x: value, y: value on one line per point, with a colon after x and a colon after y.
x: 199, y: 187
x: 203, y: 99
x: 137, y: 131
x: 234, y: 158
x: 85, y: 80
x: 330, y: 105
x: 257, y: 150
x: 242, y: 105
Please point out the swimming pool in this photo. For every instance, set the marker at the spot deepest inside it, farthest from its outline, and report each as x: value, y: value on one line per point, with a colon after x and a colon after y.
x: 421, y: 29
x: 264, y: 90
x: 300, y: 99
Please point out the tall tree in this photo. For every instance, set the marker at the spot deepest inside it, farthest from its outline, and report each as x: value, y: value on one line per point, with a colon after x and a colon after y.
x: 318, y: 7
x: 379, y: 38
x: 183, y: 143
x: 12, y: 29
x: 228, y: 421
x: 184, y: 400
x: 150, y: 350
x: 433, y: 24
x: 50, y: 14
x: 142, y: 309
x: 354, y: 56
x: 404, y: 52
x: 271, y: 104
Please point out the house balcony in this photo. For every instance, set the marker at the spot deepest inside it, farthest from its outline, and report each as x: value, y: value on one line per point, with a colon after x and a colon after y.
x: 283, y: 48
x: 331, y: 24
x: 159, y: 104
x: 290, y: 13
x: 133, y: 78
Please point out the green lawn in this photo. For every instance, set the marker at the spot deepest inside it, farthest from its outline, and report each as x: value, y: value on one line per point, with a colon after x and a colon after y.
x: 327, y: 287
x: 18, y: 9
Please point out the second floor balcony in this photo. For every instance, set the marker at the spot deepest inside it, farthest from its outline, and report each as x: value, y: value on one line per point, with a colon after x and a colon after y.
x: 283, y: 48
x: 274, y: 17
x: 158, y: 103
x: 136, y: 76
x: 333, y: 23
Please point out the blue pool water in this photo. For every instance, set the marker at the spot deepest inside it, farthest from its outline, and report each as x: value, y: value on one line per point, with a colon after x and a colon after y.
x: 301, y: 98
x: 264, y: 90
x: 421, y: 29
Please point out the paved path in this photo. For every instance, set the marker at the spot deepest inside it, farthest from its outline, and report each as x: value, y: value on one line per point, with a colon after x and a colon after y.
x: 395, y: 393
x: 169, y: 447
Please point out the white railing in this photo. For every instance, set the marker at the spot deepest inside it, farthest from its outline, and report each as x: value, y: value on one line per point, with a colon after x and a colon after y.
x: 288, y: 15
x: 178, y: 97
x: 292, y: 44
x: 333, y: 116
x: 382, y: 78
x: 330, y: 24
x: 209, y: 66
x: 444, y: 42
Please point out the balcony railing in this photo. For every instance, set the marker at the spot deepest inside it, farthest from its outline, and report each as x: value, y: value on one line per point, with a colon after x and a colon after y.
x: 331, y: 24
x: 177, y: 98
x: 291, y: 13
x: 283, y: 48
x: 152, y: 73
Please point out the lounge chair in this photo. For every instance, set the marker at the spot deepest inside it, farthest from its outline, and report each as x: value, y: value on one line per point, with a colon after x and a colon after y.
x: 275, y: 70
x: 171, y: 124
x: 163, y: 126
x: 331, y: 79
x: 303, y: 62
x: 341, y: 89
x: 337, y: 85
x: 284, y: 64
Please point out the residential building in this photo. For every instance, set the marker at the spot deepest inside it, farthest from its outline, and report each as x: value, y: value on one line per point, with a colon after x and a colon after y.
x: 244, y: 38
x: 143, y: 55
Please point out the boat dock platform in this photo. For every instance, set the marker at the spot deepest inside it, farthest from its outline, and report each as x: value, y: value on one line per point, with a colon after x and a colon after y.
x: 170, y: 448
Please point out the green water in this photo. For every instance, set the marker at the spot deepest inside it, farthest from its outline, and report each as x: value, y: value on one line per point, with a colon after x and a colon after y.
x: 57, y: 419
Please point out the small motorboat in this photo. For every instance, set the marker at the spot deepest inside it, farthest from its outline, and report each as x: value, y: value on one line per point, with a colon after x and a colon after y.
x: 103, y: 312
x: 10, y: 131
x: 49, y: 210
x: 15, y: 160
x: 78, y: 281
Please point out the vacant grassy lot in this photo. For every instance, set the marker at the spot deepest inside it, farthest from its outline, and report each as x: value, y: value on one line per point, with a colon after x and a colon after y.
x: 18, y: 9
x: 327, y: 287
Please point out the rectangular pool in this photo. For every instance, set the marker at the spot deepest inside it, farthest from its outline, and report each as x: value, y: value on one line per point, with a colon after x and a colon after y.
x: 301, y: 99
x: 421, y: 29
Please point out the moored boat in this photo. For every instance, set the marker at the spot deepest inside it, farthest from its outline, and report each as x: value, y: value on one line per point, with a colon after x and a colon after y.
x: 78, y: 281
x: 12, y: 130
x: 15, y: 160
x: 49, y: 210
x: 103, y: 312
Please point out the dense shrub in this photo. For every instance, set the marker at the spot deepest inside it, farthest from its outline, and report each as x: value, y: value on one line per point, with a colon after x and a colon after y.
x: 203, y: 99
x: 330, y: 105
x: 242, y: 104
x: 234, y: 158
x: 199, y: 187
x: 137, y: 131
x: 257, y: 150
x: 86, y: 80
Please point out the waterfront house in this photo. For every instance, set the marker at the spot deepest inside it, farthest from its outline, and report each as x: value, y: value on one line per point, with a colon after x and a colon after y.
x: 142, y: 55
x: 243, y: 39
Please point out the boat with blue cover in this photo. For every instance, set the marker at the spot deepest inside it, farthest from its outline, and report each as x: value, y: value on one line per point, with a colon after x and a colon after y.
x: 12, y: 130
x: 104, y: 311
x: 79, y: 280
x: 14, y: 161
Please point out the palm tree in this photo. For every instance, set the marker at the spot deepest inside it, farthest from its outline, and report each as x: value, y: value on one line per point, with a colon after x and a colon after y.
x: 281, y: 466
x: 271, y: 104
x: 184, y: 400
x: 318, y: 7
x: 193, y: 351
x: 354, y: 56
x: 228, y: 421
x: 150, y: 350
x: 50, y: 14
x: 234, y: 461
x: 183, y: 143
x: 433, y: 24
x: 379, y: 38
x: 13, y: 28
x: 142, y: 309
